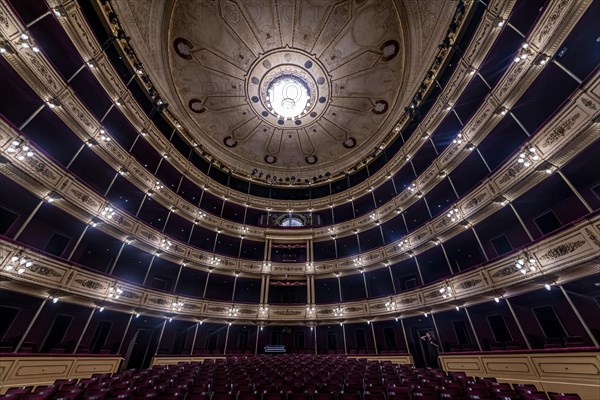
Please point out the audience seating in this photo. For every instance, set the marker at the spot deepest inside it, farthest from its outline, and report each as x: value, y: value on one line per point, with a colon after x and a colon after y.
x: 285, y: 377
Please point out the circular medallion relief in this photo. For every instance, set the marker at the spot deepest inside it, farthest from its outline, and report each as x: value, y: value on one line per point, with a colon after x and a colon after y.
x: 349, y: 143
x: 283, y: 87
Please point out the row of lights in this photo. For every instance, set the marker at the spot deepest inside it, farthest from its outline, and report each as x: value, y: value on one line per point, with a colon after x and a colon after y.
x: 19, y: 264
x: 21, y: 149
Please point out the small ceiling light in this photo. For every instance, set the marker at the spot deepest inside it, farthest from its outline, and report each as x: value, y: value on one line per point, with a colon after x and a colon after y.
x: 101, y: 309
x: 547, y: 286
x: 137, y: 315
x: 497, y: 299
x: 55, y: 300
x: 457, y: 308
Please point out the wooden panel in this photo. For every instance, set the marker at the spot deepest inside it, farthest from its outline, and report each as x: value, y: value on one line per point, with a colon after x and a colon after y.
x: 570, y: 372
x: 44, y: 370
x: 470, y: 364
x: 509, y: 365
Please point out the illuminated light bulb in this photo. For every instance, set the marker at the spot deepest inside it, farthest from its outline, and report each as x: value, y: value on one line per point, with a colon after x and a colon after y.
x: 497, y: 299
x: 55, y: 300
x: 547, y: 286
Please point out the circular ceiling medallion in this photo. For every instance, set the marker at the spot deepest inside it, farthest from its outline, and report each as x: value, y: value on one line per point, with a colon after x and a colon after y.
x: 283, y: 87
x: 230, y: 142
x: 381, y: 106
x: 288, y: 96
x: 349, y: 143
x: 312, y: 159
x: 389, y: 49
x: 269, y: 159
x: 196, y: 106
x: 183, y: 48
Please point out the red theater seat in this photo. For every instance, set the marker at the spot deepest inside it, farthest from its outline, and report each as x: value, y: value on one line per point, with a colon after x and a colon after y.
x: 565, y: 396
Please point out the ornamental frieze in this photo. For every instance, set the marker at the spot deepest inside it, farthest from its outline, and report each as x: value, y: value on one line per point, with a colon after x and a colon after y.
x: 78, y: 113
x: 128, y: 294
x: 42, y: 168
x: 50, y: 82
x: 158, y: 300
x: 84, y: 197
x: 90, y: 284
x: 589, y: 103
x: 593, y: 237
x: 409, y: 300
x: 559, y: 132
x: 43, y: 270
x: 354, y: 309
x: 468, y: 284
x: 287, y: 313
x: 552, y: 20
x: 509, y: 83
x: 433, y: 294
x: 511, y: 173
x: 506, y: 271
x: 562, y: 250
x: 217, y: 309
x: 475, y: 201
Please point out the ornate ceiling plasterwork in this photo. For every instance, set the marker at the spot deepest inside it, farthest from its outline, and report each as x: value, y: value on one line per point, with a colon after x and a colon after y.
x: 364, y: 58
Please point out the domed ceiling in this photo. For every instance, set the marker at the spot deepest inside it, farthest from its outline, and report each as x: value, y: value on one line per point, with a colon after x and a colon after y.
x: 287, y: 88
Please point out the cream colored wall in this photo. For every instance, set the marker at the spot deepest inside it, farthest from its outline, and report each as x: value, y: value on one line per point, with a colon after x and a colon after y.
x: 577, y: 372
x: 44, y: 370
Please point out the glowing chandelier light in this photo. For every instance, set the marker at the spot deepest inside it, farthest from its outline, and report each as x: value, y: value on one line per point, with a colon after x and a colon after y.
x: 338, y: 311
x: 19, y: 264
x: 288, y: 97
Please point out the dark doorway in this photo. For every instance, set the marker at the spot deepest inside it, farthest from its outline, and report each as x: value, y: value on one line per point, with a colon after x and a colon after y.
x: 211, y: 343
x: 421, y: 353
x: 331, y: 340
x: 276, y: 338
x: 549, y: 322
x: 138, y: 348
x: 57, y: 332
x: 499, y: 328
x: 299, y: 340
x: 243, y: 340
x: 389, y: 337
x: 361, y: 339
x: 179, y: 342
x: 100, y: 336
x: 8, y: 316
x: 461, y: 331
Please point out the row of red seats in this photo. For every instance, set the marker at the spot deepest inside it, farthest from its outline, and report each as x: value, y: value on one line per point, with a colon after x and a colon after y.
x: 297, y: 377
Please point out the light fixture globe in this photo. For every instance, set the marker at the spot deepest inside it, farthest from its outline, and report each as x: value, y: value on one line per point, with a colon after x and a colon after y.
x: 288, y: 96
x: 288, y: 89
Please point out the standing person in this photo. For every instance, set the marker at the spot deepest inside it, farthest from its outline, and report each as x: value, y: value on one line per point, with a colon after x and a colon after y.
x: 432, y: 349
